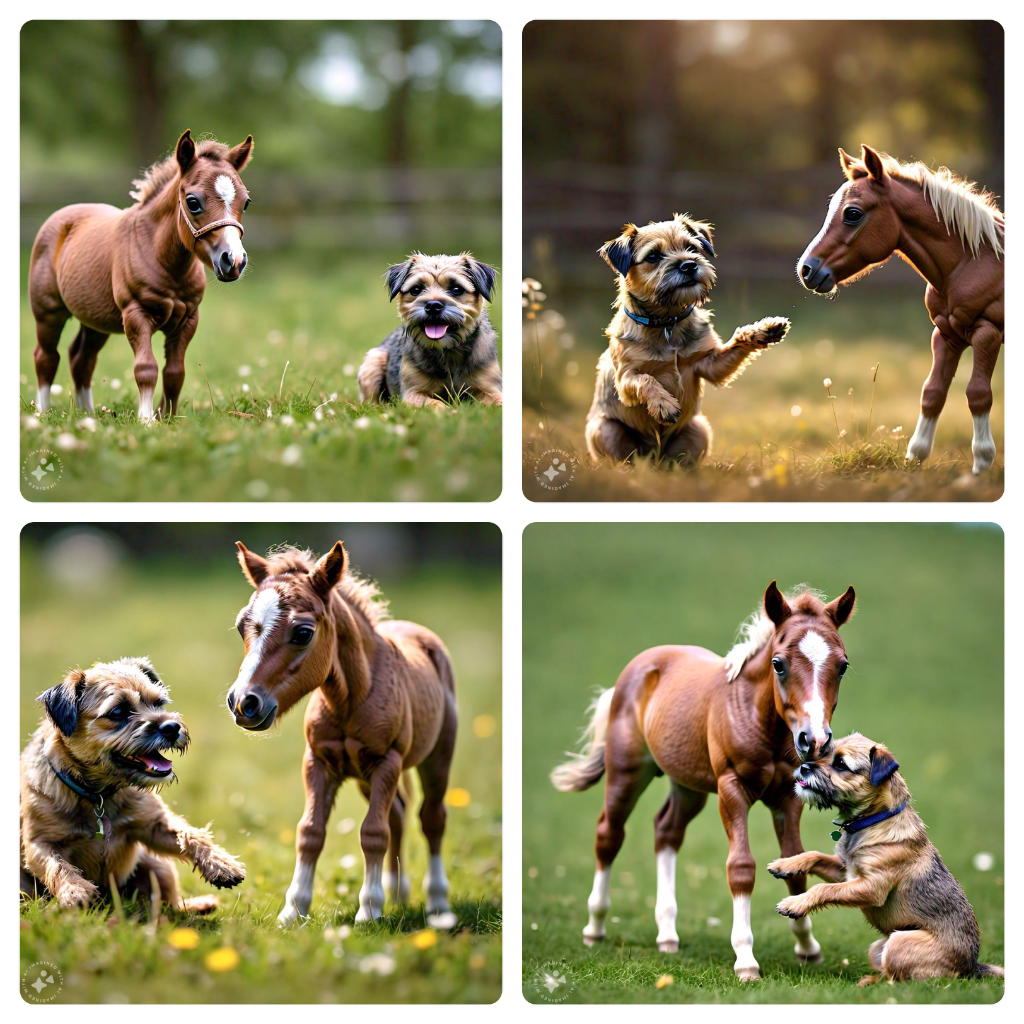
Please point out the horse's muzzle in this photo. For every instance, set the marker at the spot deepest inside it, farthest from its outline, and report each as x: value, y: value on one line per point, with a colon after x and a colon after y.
x: 228, y: 266
x: 815, y: 277
x: 252, y: 712
x: 810, y: 747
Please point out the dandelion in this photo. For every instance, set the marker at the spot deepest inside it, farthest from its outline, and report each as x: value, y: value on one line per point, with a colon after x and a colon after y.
x: 484, y: 726
x: 223, y: 959
x: 425, y: 939
x: 664, y: 981
x: 362, y: 423
x: 827, y: 382
x: 245, y: 388
x: 828, y: 387
x: 183, y: 938
x: 458, y: 797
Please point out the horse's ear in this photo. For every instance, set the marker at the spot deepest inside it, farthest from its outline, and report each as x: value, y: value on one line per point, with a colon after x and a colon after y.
x: 481, y: 275
x: 239, y: 156
x: 883, y: 764
x: 395, y: 277
x: 851, y: 166
x: 618, y: 253
x: 874, y: 164
x: 185, y: 152
x: 329, y: 570
x: 61, y: 701
x: 841, y: 608
x: 254, y: 568
x: 776, y: 607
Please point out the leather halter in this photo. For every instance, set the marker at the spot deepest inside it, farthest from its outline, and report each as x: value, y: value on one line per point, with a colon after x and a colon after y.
x: 224, y: 222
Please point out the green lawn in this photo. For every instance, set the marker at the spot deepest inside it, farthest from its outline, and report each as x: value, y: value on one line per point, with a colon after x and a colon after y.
x: 926, y: 678
x: 314, y: 314
x: 251, y: 789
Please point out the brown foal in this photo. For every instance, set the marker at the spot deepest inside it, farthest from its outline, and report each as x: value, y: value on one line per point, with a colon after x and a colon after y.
x: 139, y: 270
x: 736, y: 726
x: 383, y: 702
x: 952, y: 235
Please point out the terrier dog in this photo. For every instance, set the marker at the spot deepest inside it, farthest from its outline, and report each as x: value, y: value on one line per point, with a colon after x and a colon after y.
x: 89, y: 816
x: 445, y: 349
x: 884, y: 864
x: 662, y: 347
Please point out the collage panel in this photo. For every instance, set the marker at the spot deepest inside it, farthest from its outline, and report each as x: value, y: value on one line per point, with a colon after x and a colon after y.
x: 715, y: 183
x: 773, y: 669
x: 188, y: 835
x: 293, y: 228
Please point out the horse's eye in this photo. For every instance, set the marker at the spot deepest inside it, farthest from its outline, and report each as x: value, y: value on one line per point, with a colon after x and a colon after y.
x: 246, y: 207
x: 652, y: 257
x: 780, y: 667
x: 852, y: 215
x: 193, y: 204
x: 302, y: 636
x: 843, y: 666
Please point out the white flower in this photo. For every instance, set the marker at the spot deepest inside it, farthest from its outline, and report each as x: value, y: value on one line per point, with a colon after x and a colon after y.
x: 401, y: 429
x: 349, y: 861
x: 88, y: 424
x: 983, y: 861
x: 795, y: 411
x: 827, y: 382
x: 31, y: 422
x: 244, y: 370
x: 245, y: 387
x: 287, y: 420
x: 68, y: 442
x: 377, y: 963
x: 348, y: 369
x: 116, y: 384
x: 291, y: 455
x: 362, y: 423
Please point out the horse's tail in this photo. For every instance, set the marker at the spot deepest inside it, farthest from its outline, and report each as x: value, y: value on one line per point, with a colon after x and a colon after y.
x: 582, y: 770
x: 990, y: 970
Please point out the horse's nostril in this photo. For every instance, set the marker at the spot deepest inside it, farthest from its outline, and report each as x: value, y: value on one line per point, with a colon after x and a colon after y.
x: 805, y: 271
x: 802, y: 742
x: 227, y: 261
x: 250, y: 705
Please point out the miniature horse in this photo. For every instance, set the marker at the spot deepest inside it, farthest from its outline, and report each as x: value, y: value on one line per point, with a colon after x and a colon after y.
x: 384, y: 702
x: 952, y: 235
x: 736, y: 726
x: 139, y: 270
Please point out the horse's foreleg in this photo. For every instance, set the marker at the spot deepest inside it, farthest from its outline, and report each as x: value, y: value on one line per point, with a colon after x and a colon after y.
x: 681, y: 807
x: 374, y: 835
x: 946, y: 354
x: 83, y: 352
x: 786, y: 818
x: 985, y: 343
x: 396, y: 882
x: 321, y: 787
x: 433, y: 773
x: 174, y: 363
x: 139, y: 330
x: 734, y: 806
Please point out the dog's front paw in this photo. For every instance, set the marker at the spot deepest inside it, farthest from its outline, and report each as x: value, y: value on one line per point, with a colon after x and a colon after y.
x: 79, y: 893
x: 780, y: 868
x: 222, y: 870
x: 770, y: 331
x: 792, y: 906
x: 664, y: 410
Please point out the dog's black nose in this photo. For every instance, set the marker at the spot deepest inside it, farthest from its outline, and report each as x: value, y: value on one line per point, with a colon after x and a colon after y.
x: 434, y: 306
x: 250, y: 705
x: 804, y: 770
x: 170, y: 731
x: 687, y: 267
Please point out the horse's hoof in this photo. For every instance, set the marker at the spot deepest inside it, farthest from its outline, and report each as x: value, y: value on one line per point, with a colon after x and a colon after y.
x: 365, y: 915
x: 287, y: 917
x: 592, y: 940
x: 812, y: 958
x: 669, y: 946
x: 748, y: 974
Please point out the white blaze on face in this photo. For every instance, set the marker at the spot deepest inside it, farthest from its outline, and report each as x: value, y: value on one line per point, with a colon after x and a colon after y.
x: 815, y: 649
x: 833, y: 208
x: 264, y: 612
x: 225, y: 188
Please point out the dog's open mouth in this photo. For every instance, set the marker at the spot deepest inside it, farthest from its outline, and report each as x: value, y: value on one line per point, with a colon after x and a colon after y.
x: 435, y: 332
x: 156, y: 766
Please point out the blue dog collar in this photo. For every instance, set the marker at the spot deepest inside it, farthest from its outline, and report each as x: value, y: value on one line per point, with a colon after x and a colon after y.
x: 647, y: 321
x: 858, y: 824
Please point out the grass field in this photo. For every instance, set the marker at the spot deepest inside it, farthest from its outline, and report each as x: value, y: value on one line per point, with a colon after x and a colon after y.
x: 779, y: 435
x: 251, y: 789
x: 926, y: 678
x: 270, y: 410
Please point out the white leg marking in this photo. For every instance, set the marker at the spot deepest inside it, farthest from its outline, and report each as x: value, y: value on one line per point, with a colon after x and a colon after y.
x: 814, y: 648
x: 598, y: 905
x: 43, y: 397
x: 146, y: 405
x: 299, y: 895
x: 435, y: 885
x: 665, y: 908
x: 264, y: 611
x: 746, y: 966
x: 83, y: 399
x: 371, y: 895
x: 983, y: 447
x: 920, y: 445
x: 396, y: 886
x: 806, y: 947
x: 833, y: 207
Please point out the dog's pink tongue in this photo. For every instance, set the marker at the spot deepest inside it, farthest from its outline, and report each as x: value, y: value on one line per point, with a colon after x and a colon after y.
x: 156, y: 763
x: 435, y: 331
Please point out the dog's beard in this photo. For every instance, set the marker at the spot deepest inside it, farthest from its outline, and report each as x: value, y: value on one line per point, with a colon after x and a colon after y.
x: 438, y: 330
x: 144, y: 763
x: 817, y: 791
x: 675, y: 290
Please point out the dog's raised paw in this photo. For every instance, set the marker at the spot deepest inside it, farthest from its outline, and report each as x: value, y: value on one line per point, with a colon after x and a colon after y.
x: 666, y: 411
x: 771, y: 330
x: 223, y: 874
x: 77, y: 894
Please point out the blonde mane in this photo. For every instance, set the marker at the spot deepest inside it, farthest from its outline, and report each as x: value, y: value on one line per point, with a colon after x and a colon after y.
x: 758, y: 629
x: 963, y: 206
x: 156, y: 177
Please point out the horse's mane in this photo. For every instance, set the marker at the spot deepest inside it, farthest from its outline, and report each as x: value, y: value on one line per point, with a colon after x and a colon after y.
x: 363, y: 593
x: 963, y: 206
x: 758, y: 629
x: 152, y: 182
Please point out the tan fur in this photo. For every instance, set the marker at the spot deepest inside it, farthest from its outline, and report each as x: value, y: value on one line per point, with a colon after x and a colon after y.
x: 62, y: 855
x: 890, y: 870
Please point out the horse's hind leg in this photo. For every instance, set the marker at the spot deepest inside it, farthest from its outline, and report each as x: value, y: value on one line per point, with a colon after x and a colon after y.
x: 50, y: 315
x: 175, y: 346
x: 396, y: 881
x: 946, y: 354
x: 83, y: 352
x: 985, y: 342
x: 681, y: 807
x: 433, y: 774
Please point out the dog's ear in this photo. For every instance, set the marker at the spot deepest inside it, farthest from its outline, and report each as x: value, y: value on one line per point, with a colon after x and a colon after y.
x: 776, y: 607
x: 618, y: 253
x: 395, y: 277
x: 701, y: 229
x: 327, y: 573
x: 238, y: 157
x: 481, y: 275
x: 61, y: 701
x: 883, y: 764
x: 841, y: 608
x: 145, y: 666
x: 254, y: 568
x: 185, y: 151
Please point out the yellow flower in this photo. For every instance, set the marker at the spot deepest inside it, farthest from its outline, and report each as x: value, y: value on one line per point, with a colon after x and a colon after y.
x: 183, y: 938
x: 458, y: 798
x: 664, y: 981
x: 424, y: 939
x: 477, y: 962
x: 484, y: 726
x: 223, y: 959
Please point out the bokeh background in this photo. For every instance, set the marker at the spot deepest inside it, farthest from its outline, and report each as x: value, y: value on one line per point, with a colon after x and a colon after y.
x: 372, y: 139
x: 739, y: 123
x: 926, y: 678
x: 171, y: 591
